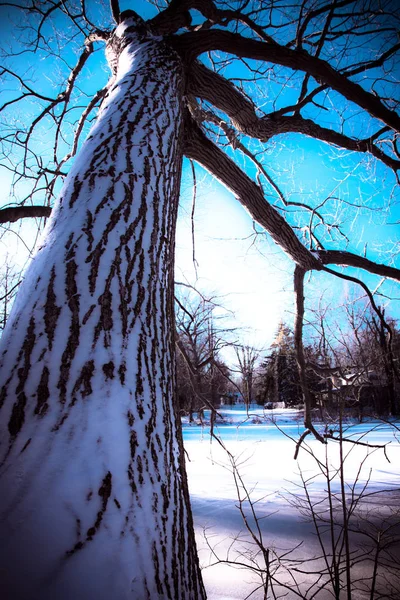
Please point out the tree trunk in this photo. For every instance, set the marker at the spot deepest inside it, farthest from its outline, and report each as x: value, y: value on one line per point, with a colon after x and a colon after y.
x: 94, y: 500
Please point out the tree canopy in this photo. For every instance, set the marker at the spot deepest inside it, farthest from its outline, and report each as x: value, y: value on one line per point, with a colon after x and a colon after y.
x: 267, y: 87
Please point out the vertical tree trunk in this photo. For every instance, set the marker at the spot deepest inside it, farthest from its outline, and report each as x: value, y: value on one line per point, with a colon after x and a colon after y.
x: 94, y: 500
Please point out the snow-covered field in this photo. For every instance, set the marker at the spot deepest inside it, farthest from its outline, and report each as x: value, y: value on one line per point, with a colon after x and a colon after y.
x: 264, y: 457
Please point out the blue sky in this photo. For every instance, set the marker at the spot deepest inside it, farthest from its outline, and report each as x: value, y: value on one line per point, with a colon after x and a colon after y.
x: 253, y: 276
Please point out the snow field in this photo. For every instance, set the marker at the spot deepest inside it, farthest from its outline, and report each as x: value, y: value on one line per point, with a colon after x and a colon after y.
x: 264, y: 458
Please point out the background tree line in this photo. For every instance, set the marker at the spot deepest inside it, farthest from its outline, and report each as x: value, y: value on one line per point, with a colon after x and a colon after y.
x: 355, y: 362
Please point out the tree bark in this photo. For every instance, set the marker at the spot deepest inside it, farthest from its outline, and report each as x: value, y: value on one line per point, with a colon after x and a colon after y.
x: 94, y: 500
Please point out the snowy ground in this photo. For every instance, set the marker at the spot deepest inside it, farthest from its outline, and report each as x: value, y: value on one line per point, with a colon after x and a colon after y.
x: 264, y: 456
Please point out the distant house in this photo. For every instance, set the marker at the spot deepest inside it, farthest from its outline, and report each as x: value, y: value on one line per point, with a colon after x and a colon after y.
x: 356, y: 380
x: 365, y: 388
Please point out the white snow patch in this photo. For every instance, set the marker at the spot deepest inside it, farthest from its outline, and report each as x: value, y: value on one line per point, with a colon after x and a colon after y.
x: 265, y: 459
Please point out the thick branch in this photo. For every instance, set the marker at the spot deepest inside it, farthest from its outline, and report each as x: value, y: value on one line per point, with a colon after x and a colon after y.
x: 193, y: 44
x: 220, y: 92
x: 115, y: 11
x: 201, y: 149
x: 12, y: 214
x: 223, y: 94
x: 173, y: 18
x: 348, y: 259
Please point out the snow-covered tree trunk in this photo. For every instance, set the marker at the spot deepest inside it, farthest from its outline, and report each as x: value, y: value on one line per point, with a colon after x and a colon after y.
x: 94, y: 501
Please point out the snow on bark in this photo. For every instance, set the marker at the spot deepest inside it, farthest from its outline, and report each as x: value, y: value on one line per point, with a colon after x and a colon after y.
x: 94, y: 501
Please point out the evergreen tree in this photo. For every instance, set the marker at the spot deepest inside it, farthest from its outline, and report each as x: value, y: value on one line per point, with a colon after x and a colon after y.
x: 279, y: 377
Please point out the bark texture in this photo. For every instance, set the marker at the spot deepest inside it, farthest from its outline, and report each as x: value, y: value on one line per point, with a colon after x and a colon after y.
x: 94, y: 500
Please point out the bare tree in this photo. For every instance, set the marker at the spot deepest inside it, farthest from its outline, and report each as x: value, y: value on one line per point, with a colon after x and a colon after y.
x: 354, y: 521
x: 9, y: 284
x: 354, y: 359
x: 356, y: 525
x: 246, y: 357
x: 91, y: 455
x: 201, y: 335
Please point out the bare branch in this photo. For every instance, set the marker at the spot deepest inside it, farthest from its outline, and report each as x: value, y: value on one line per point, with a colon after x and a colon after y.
x: 13, y: 213
x: 115, y: 11
x: 194, y: 44
x: 220, y: 92
x: 341, y: 257
x: 301, y: 361
x: 201, y: 149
